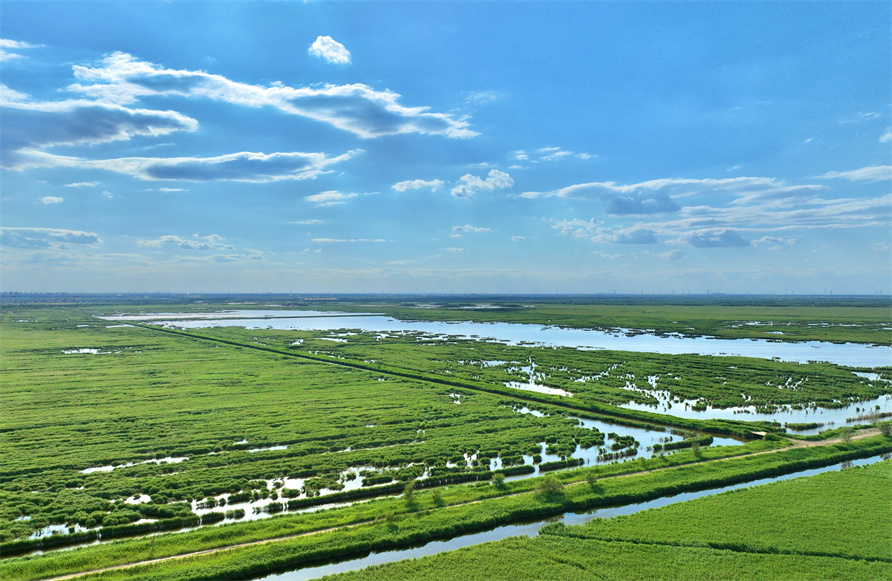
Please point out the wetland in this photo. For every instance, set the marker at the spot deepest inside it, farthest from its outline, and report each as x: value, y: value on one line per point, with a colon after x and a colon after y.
x: 126, y: 423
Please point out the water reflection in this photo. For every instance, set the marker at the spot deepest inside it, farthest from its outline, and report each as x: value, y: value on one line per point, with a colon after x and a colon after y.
x: 849, y: 354
x: 829, y: 418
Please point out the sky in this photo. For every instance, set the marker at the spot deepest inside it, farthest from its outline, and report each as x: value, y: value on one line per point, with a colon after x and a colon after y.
x: 446, y: 147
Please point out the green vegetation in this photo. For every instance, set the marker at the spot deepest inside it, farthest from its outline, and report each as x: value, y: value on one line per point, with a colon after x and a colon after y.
x: 834, y: 525
x: 393, y: 523
x: 593, y: 377
x: 842, y: 505
x: 120, y: 431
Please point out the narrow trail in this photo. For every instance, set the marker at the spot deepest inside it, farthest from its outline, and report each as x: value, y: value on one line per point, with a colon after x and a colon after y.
x: 795, y: 444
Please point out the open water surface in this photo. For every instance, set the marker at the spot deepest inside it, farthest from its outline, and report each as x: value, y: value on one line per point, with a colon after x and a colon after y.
x: 848, y: 354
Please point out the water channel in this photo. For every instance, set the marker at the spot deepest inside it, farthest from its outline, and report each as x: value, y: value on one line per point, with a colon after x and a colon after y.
x: 530, y: 529
x: 848, y: 354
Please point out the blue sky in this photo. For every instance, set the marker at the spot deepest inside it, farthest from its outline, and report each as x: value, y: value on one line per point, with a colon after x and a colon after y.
x: 529, y: 147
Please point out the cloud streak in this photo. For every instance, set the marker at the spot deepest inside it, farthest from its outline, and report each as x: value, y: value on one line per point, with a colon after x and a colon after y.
x: 660, y: 196
x: 434, y: 185
x: 330, y: 198
x: 874, y: 173
x: 245, y: 166
x: 357, y: 108
x: 348, y: 240
x: 719, y: 238
x: 6, y: 44
x: 212, y: 242
x: 44, y: 238
x: 468, y: 228
x: 30, y: 127
x: 595, y: 231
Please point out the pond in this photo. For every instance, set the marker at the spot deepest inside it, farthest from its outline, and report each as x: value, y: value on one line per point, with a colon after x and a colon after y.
x: 848, y: 354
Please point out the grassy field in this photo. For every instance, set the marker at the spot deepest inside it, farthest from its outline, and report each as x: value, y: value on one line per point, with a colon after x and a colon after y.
x: 123, y: 429
x: 398, y: 522
x: 834, y: 525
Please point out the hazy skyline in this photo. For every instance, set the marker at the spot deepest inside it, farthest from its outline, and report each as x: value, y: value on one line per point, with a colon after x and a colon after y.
x: 578, y: 147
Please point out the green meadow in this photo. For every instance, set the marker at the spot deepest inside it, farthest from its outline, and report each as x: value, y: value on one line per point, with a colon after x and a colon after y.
x: 119, y: 430
x: 834, y: 525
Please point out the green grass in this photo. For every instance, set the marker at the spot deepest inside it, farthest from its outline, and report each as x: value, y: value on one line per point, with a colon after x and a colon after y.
x: 151, y: 395
x: 568, y: 559
x: 386, y: 404
x: 835, y: 525
x: 397, y: 522
x: 842, y: 514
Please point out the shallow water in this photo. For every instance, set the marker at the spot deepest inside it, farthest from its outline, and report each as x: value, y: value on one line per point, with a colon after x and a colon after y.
x: 529, y: 529
x: 849, y: 354
x: 109, y: 468
x: 830, y: 417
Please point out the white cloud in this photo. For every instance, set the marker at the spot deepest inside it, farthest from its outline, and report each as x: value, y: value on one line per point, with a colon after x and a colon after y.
x: 330, y: 198
x: 517, y: 239
x: 634, y: 235
x: 659, y: 196
x: 330, y: 50
x: 596, y: 232
x: 454, y: 249
x: 816, y: 213
x: 6, y: 43
x: 671, y: 255
x: 82, y: 185
x: 482, y: 97
x: 886, y: 137
x: 775, y: 242
x: 549, y: 154
x: 8, y: 95
x: 715, y: 238
x: 239, y: 167
x: 862, y: 117
x: 348, y: 240
x: 434, y: 185
x: 122, y: 79
x: 636, y: 199
x: 211, y: 242
x: 471, y: 184
x: 221, y: 258
x: 45, y: 237
x: 308, y: 222
x: 30, y: 127
x: 51, y: 200
x: 874, y: 173
x: 468, y: 228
